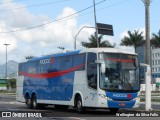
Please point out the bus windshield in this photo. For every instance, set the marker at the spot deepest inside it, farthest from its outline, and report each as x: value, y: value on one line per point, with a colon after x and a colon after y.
x: 121, y: 72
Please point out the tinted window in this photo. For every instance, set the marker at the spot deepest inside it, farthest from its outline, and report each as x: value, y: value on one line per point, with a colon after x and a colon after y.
x: 66, y: 62
x: 56, y: 65
x: 44, y: 67
x: 92, y: 70
x: 79, y: 60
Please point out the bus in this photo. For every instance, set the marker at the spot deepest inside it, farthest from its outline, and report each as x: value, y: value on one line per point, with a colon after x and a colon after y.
x: 106, y: 78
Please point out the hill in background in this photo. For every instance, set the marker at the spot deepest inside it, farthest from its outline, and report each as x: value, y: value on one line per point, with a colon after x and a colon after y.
x: 12, y: 67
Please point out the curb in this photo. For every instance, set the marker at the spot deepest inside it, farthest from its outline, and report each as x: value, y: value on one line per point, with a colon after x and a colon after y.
x: 153, y: 103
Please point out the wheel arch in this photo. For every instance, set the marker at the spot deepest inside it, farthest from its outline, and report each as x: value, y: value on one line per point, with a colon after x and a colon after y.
x: 27, y: 95
x: 76, y: 95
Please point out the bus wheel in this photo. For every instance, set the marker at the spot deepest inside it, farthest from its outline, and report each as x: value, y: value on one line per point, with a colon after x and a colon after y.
x: 79, y: 106
x: 113, y: 110
x: 34, y: 102
x: 29, y: 103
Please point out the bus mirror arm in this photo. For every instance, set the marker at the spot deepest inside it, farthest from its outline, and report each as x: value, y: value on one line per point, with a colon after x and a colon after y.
x: 103, y: 66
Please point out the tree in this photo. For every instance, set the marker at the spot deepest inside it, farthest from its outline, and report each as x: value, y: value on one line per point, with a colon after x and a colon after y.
x: 93, y: 42
x: 134, y: 39
x: 155, y: 41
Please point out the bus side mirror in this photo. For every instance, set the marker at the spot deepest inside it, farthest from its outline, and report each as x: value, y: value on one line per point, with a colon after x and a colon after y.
x: 103, y: 66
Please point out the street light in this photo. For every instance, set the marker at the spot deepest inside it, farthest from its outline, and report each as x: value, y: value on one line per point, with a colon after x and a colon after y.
x: 78, y: 34
x: 6, y: 62
x: 98, y: 28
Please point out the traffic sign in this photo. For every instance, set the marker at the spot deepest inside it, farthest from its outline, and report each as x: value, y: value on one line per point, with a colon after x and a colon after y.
x: 105, y: 29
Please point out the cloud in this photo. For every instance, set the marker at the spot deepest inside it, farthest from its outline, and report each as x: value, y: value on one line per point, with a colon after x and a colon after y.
x: 44, y: 39
x: 19, y: 18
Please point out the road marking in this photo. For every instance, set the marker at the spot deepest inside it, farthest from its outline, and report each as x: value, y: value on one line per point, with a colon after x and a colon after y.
x: 76, y: 118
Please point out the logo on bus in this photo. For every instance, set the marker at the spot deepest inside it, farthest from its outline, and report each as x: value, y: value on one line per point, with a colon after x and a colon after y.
x: 45, y: 61
x: 120, y: 95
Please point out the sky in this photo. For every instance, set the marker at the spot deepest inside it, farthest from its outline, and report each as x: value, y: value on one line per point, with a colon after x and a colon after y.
x: 17, y: 17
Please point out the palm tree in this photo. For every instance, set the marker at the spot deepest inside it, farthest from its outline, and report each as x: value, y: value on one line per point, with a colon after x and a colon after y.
x: 134, y: 39
x: 93, y: 42
x: 155, y: 41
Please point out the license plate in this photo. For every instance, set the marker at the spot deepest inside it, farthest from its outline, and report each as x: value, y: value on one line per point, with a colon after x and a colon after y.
x: 122, y: 104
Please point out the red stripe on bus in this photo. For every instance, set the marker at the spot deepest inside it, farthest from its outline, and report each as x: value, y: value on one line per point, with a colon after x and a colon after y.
x: 119, y: 60
x: 52, y: 74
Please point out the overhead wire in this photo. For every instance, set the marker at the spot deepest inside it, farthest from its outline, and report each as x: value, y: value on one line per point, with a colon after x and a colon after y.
x: 97, y: 10
x: 49, y: 22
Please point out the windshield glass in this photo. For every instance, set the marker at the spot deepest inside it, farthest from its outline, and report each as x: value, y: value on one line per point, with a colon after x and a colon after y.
x: 121, y: 72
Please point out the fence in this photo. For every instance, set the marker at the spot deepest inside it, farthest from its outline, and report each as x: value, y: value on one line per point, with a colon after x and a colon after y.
x: 155, y: 96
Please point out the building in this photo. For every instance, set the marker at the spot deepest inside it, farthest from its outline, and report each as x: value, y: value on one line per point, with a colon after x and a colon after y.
x: 156, y: 63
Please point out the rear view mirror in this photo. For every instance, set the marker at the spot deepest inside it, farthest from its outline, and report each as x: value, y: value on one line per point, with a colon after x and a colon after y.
x: 103, y: 66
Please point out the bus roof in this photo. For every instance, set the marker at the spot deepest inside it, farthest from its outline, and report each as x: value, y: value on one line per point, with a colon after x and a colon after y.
x: 109, y: 50
x: 55, y: 55
x: 95, y: 50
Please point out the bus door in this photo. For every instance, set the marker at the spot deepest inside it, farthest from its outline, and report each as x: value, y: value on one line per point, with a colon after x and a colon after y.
x: 91, y: 92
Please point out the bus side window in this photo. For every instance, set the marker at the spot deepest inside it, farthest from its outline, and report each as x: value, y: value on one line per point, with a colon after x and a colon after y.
x: 56, y: 65
x: 66, y: 62
x: 79, y: 60
x: 92, y: 70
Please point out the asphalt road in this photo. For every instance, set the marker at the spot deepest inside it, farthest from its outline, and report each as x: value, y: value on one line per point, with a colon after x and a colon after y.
x: 7, y: 98
x: 49, y: 113
x: 8, y: 104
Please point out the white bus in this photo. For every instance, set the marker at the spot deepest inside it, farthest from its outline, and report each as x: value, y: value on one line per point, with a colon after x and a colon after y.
x: 91, y: 78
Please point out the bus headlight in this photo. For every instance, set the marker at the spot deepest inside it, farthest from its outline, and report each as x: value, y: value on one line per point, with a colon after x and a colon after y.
x: 103, y: 96
x: 137, y: 98
x: 109, y: 99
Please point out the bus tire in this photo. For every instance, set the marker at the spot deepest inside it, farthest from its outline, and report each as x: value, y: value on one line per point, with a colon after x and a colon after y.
x: 34, y: 102
x: 79, y: 106
x: 113, y: 110
x: 28, y: 102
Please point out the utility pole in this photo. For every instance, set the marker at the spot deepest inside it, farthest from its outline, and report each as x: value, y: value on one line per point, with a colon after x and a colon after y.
x: 95, y: 19
x: 148, y: 105
x: 148, y: 57
x: 147, y: 27
x: 6, y: 64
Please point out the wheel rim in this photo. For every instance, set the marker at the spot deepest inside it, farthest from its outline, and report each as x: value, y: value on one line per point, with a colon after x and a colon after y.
x: 28, y: 101
x: 79, y: 105
x: 34, y: 103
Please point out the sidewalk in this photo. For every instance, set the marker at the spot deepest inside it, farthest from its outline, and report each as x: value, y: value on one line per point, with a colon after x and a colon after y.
x: 155, y: 108
x: 153, y: 103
